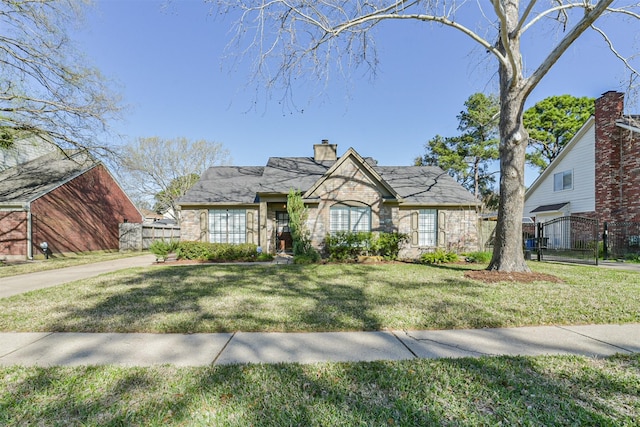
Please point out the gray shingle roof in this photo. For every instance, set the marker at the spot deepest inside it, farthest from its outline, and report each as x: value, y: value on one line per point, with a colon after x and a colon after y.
x: 425, y: 185
x: 225, y: 184
x: 28, y: 181
x: 419, y: 185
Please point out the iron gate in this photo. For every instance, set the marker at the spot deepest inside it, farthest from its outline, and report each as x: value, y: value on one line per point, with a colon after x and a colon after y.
x: 568, y: 239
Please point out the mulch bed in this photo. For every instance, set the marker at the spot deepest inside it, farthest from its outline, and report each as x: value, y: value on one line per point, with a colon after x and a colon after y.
x: 488, y: 276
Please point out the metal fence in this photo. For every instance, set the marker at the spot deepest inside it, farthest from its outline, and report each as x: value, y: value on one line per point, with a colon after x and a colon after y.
x: 566, y: 239
x: 138, y: 237
x: 621, y: 239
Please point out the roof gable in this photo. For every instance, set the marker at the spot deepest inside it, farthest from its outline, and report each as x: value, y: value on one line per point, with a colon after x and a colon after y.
x: 362, y: 165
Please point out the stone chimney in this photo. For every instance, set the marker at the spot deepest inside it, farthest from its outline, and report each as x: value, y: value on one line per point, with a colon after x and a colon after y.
x: 609, y: 108
x: 325, y: 151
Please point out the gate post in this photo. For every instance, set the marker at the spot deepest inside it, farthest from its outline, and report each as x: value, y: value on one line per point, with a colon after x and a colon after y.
x: 540, y: 235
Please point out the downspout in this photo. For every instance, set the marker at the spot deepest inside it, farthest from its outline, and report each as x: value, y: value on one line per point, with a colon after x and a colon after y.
x: 29, y: 232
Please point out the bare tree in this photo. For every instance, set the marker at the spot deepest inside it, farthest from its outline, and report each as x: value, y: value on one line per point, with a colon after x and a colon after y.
x: 46, y: 88
x: 290, y: 38
x: 163, y: 170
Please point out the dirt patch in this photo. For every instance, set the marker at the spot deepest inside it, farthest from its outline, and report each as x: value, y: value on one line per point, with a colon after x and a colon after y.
x: 487, y: 276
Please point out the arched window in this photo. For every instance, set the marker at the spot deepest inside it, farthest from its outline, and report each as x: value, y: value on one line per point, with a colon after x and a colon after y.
x: 349, y: 217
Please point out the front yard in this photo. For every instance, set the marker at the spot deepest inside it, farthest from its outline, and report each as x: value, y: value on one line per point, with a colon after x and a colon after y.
x: 223, y: 298
x: 558, y: 390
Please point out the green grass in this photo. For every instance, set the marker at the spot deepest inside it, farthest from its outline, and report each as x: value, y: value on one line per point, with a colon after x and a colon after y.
x: 532, y: 391
x: 14, y: 268
x: 543, y: 390
x: 223, y: 298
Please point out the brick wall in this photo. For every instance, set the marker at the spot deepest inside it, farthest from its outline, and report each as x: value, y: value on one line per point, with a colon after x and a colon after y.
x: 83, y: 214
x: 13, y: 235
x: 617, y: 169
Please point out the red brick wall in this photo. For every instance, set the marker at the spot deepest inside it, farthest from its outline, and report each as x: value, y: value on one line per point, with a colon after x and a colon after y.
x: 617, y: 171
x: 83, y: 214
x: 13, y: 234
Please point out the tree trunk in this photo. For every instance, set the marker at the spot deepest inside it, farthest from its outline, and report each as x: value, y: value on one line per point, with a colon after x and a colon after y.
x: 508, y: 253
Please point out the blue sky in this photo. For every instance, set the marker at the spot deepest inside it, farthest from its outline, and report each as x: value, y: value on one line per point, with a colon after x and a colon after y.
x: 167, y: 62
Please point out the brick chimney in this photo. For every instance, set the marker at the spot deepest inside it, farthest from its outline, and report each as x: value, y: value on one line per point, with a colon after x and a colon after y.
x: 325, y: 151
x: 609, y: 108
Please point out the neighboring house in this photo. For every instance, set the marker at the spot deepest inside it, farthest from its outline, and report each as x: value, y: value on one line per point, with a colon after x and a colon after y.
x: 24, y: 149
x: 597, y: 174
x: 71, y: 202
x: 149, y: 216
x: 240, y: 204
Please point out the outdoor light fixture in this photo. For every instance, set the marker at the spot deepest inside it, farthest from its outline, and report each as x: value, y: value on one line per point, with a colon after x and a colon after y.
x: 45, y: 249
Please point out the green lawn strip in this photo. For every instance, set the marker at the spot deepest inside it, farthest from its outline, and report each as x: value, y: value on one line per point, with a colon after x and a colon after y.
x: 544, y: 390
x: 223, y: 298
x: 24, y: 267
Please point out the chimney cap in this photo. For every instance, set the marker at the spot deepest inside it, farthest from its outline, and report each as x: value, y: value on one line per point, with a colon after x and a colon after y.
x: 325, y: 141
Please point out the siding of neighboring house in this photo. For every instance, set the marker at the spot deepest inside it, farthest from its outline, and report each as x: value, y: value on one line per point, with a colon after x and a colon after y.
x: 618, y: 164
x: 605, y: 158
x: 13, y: 239
x: 578, y: 158
x: 82, y: 214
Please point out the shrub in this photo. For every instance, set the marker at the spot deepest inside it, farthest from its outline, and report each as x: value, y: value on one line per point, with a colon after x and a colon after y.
x: 204, y: 251
x: 162, y: 248
x: 481, y: 257
x: 345, y: 245
x: 300, y: 234
x: 387, y: 245
x: 309, y: 258
x: 264, y: 257
x: 439, y: 257
x: 194, y: 250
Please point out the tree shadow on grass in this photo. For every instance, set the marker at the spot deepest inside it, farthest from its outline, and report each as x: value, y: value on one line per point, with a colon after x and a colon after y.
x: 285, y: 298
x: 484, y: 391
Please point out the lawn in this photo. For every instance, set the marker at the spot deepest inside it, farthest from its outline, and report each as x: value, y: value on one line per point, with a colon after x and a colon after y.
x: 533, y: 391
x: 223, y: 298
x: 544, y: 390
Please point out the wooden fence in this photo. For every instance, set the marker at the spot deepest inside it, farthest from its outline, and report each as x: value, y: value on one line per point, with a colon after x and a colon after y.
x: 137, y: 237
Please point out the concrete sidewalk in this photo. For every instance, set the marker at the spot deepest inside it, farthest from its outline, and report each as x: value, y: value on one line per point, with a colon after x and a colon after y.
x: 72, y: 349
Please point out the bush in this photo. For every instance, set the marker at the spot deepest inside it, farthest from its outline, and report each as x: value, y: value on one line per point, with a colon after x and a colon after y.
x: 308, y: 258
x: 481, y: 257
x: 162, y: 248
x: 345, y: 245
x: 439, y: 257
x: 387, y: 245
x: 204, y: 251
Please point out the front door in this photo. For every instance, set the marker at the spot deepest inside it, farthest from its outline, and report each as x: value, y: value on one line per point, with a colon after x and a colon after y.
x: 283, y: 234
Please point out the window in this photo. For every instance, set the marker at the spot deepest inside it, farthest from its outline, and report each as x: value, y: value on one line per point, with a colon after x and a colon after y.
x: 563, y: 181
x: 227, y: 226
x: 427, y: 227
x: 350, y: 218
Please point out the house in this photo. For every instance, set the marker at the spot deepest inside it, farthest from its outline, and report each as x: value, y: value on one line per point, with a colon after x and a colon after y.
x: 70, y: 201
x: 239, y: 204
x: 597, y: 174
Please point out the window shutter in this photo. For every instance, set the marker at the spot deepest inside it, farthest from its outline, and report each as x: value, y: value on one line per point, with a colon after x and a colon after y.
x: 414, y: 228
x: 204, y: 226
x: 249, y: 225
